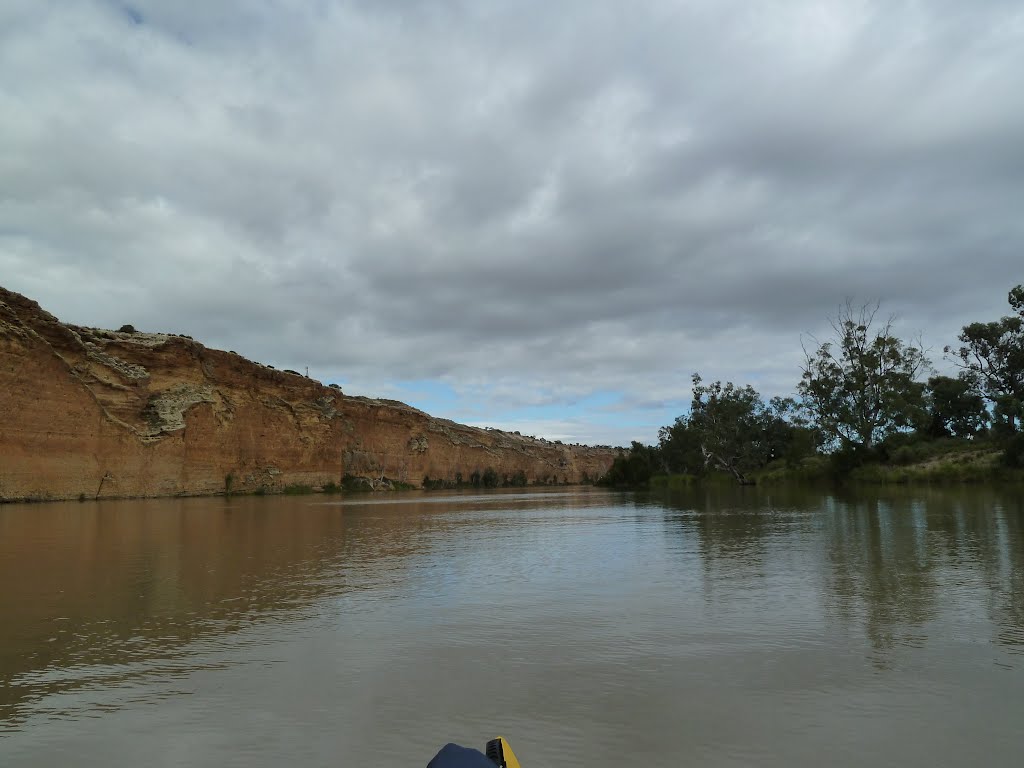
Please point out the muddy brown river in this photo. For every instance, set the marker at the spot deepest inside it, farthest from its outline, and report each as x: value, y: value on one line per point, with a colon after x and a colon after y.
x: 723, y: 627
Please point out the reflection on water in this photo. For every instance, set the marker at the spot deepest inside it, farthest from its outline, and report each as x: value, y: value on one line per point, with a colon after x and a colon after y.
x: 720, y: 627
x: 101, y: 593
x: 890, y: 563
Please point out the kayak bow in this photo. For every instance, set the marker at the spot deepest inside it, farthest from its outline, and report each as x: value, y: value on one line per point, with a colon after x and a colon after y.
x: 501, y: 753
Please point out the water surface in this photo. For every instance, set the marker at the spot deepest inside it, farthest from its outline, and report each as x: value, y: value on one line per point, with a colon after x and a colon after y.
x: 721, y: 628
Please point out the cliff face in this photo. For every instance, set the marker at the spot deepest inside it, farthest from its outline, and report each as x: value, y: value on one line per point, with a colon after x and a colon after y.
x: 95, y: 413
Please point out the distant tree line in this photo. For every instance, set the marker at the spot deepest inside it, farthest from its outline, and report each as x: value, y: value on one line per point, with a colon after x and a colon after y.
x: 863, y: 394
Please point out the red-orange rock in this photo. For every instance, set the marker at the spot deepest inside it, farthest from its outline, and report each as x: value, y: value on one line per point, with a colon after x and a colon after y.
x: 95, y: 413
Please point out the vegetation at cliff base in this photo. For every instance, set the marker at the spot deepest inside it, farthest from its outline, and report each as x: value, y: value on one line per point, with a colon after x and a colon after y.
x: 869, y: 407
x: 489, y: 478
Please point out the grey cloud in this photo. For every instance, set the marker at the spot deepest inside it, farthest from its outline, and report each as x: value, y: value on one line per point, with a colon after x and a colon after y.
x: 558, y: 199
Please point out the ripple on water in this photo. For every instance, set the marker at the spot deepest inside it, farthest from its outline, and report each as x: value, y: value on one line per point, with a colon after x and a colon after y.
x: 599, y: 629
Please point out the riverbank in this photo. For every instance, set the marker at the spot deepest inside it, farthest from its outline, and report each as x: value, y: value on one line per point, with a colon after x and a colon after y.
x: 927, y: 463
x: 98, y: 414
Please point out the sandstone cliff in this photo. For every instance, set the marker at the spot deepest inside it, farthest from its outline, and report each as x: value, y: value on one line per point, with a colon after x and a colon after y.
x: 94, y: 413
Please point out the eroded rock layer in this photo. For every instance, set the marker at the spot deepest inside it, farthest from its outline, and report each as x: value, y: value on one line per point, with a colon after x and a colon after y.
x: 95, y: 413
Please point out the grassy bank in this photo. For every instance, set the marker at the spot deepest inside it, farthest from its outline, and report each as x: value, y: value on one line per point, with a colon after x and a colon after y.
x: 935, y: 462
x: 932, y: 463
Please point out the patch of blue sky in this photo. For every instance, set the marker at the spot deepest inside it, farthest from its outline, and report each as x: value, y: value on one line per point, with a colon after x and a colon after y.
x: 597, y: 418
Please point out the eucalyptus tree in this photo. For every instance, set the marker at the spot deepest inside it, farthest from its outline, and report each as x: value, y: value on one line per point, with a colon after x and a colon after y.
x: 993, y: 355
x: 955, y: 408
x: 862, y: 384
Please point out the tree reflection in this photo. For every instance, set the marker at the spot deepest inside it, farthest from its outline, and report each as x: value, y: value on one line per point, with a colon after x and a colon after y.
x: 739, y: 534
x: 901, y: 565
x: 881, y: 569
x: 1006, y: 575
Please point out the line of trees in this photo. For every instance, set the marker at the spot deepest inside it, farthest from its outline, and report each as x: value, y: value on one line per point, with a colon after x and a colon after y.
x: 490, y: 478
x: 859, y: 389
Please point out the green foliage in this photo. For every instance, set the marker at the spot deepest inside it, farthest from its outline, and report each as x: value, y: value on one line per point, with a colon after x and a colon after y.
x: 802, y: 442
x: 914, y: 461
x: 229, y: 483
x: 633, y: 469
x: 438, y: 484
x: 1007, y: 416
x: 679, y: 447
x: 518, y: 480
x: 490, y: 478
x: 332, y: 487
x: 127, y: 329
x: 954, y: 407
x: 788, y: 436
x: 860, y: 398
x: 672, y: 482
x: 862, y: 385
x: 732, y: 426
x: 809, y: 470
x: 297, y: 490
x: 907, y: 448
x: 965, y: 467
x: 993, y: 355
x: 730, y: 429
x: 1013, y: 452
x: 355, y: 483
x: 849, y: 457
x: 475, y: 479
x: 906, y: 454
x: 441, y: 484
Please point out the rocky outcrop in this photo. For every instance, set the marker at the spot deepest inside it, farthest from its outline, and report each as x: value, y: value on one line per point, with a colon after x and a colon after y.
x: 93, y: 413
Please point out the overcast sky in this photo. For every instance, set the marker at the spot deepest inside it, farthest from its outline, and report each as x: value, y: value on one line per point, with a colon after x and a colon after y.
x: 534, y: 215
